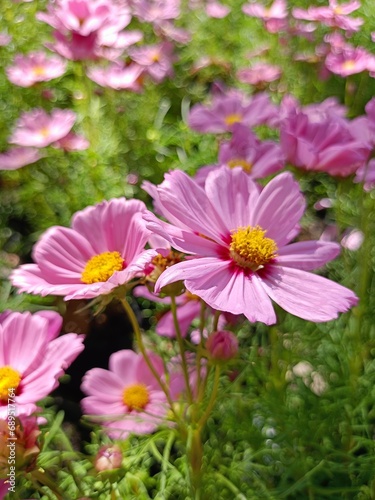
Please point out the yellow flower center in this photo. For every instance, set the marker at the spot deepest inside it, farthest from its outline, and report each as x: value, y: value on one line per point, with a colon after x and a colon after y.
x: 39, y: 71
x: 9, y: 379
x: 101, y: 267
x: 246, y: 166
x: 251, y: 249
x: 348, y: 65
x: 233, y: 118
x: 44, y: 132
x: 136, y: 396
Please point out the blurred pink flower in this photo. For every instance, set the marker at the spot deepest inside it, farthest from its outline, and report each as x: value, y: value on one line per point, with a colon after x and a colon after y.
x: 117, y: 76
x: 156, y: 60
x: 240, y: 238
x: 231, y: 108
x: 327, y: 145
x: 259, y: 73
x: 155, y: 11
x: 222, y: 345
x: 109, y: 457
x: 72, y: 142
x: 334, y: 16
x: 353, y: 240
x: 103, y: 249
x: 216, y: 9
x: 37, y: 128
x: 257, y: 158
x: 35, y: 67
x: 274, y: 17
x: 32, y: 358
x: 349, y: 61
x: 127, y: 397
x: 18, y: 157
x: 4, y: 39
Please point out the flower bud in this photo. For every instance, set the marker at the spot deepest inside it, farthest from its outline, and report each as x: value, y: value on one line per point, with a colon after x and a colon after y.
x: 108, y: 458
x: 222, y: 345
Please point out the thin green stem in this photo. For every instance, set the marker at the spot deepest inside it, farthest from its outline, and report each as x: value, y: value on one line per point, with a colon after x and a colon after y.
x: 138, y: 335
x: 212, y: 400
x: 216, y: 320
x: 181, y: 346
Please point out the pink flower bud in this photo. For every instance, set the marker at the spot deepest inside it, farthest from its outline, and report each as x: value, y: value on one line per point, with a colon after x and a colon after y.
x: 222, y: 345
x: 108, y: 458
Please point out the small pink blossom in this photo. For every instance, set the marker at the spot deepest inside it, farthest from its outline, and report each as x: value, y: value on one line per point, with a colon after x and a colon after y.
x: 349, y: 61
x: 72, y: 142
x: 103, y: 249
x: 156, y: 60
x: 222, y: 345
x: 16, y: 158
x: 37, y: 128
x: 118, y: 76
x: 155, y: 11
x: 353, y: 240
x: 35, y: 67
x: 259, y: 74
x: 127, y: 397
x: 216, y: 9
x: 5, y: 39
x: 274, y: 17
x: 33, y: 358
x: 239, y: 238
x: 109, y: 457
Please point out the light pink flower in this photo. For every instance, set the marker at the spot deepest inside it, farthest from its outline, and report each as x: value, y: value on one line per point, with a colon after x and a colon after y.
x: 155, y: 11
x: 352, y: 240
x: 228, y: 109
x: 259, y: 74
x: 32, y: 358
x: 4, y: 39
x: 109, y: 457
x: 349, y: 61
x: 222, y: 345
x: 18, y: 157
x: 35, y: 67
x: 274, y: 17
x: 240, y: 239
x: 258, y: 159
x: 117, y: 76
x: 216, y: 9
x: 156, y: 60
x: 38, y: 128
x: 328, y: 145
x: 72, y: 142
x: 127, y: 397
x: 103, y: 249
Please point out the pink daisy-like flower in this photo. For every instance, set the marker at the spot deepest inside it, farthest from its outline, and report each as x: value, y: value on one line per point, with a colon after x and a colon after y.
x: 103, y: 249
x: 228, y: 109
x: 127, y: 397
x: 349, y: 61
x: 216, y: 9
x: 155, y: 11
x: 118, y: 76
x: 155, y: 60
x: 39, y: 129
x: 274, y: 17
x: 35, y: 67
x: 32, y: 358
x: 16, y: 158
x: 240, y: 239
x: 72, y: 142
x: 259, y: 74
x: 258, y: 159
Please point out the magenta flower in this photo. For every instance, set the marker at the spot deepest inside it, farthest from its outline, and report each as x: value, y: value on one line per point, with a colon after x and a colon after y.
x: 103, y: 249
x: 228, y: 109
x: 16, y: 158
x: 156, y: 60
x: 258, y: 159
x: 259, y: 74
x: 349, y: 61
x: 35, y: 67
x: 328, y: 145
x: 32, y: 358
x: 37, y: 128
x: 240, y: 239
x: 127, y: 397
x: 117, y: 76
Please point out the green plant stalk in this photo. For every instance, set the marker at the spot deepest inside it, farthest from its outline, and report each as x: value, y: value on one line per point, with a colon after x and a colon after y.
x: 180, y: 341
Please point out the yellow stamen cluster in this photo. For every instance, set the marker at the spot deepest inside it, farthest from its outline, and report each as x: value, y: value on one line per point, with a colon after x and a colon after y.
x: 136, y: 396
x: 101, y: 267
x: 251, y: 249
x: 161, y: 263
x: 349, y: 65
x: 233, y: 118
x: 246, y: 166
x: 39, y: 71
x: 9, y: 379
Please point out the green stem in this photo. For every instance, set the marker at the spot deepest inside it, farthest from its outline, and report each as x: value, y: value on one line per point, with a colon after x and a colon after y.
x: 42, y: 478
x: 138, y: 335
x: 216, y: 321
x: 212, y: 400
x: 181, y: 346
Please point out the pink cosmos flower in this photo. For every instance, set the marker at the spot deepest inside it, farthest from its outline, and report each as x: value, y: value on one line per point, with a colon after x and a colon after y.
x: 328, y: 145
x: 155, y: 11
x: 335, y: 15
x: 4, y: 39
x: 16, y: 158
x: 32, y: 358
x: 156, y: 60
x: 216, y: 9
x: 274, y: 17
x: 37, y: 128
x: 240, y: 239
x: 127, y: 397
x: 103, y: 249
x: 117, y: 76
x: 349, y: 61
x: 258, y: 159
x: 259, y: 74
x: 228, y: 109
x: 72, y: 142
x: 35, y: 67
